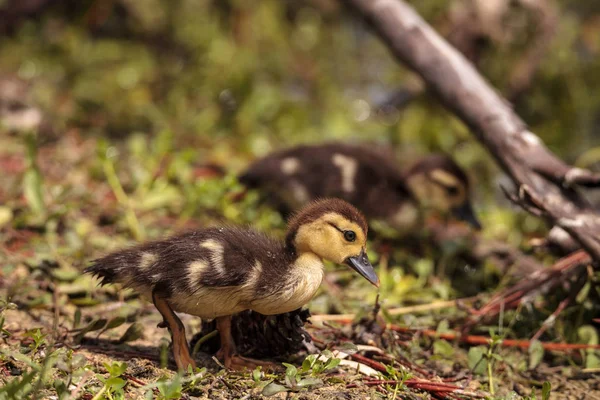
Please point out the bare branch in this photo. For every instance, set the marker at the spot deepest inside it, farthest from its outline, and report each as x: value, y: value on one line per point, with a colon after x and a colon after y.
x: 545, y: 181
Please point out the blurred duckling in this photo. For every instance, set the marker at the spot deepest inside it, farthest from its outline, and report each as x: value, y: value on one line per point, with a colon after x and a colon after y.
x: 366, y: 177
x: 216, y: 272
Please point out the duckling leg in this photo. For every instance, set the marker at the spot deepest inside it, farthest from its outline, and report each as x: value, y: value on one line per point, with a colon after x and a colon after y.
x: 228, y: 351
x: 177, y: 330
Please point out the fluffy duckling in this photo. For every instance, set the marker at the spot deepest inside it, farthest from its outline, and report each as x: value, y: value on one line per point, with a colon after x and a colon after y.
x: 367, y: 178
x: 216, y: 272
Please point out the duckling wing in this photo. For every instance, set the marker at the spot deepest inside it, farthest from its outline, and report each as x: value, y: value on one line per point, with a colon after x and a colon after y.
x: 208, y: 272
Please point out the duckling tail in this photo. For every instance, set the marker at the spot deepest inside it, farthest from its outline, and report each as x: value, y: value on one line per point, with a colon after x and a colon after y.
x: 113, y: 267
x: 100, y: 271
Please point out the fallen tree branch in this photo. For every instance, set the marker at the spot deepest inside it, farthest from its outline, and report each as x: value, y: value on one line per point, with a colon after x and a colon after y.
x: 436, y: 388
x: 541, y: 177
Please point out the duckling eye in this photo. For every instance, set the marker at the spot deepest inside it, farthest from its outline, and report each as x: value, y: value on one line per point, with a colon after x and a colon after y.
x: 350, y: 236
x: 452, y: 190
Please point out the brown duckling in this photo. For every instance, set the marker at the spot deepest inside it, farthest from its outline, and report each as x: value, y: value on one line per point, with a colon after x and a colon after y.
x: 366, y: 177
x: 216, y: 272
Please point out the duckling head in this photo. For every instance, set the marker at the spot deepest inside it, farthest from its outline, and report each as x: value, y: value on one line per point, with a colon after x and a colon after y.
x: 333, y: 230
x: 437, y: 182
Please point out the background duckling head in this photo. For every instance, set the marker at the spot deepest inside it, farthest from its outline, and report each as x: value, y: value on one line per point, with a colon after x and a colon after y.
x: 333, y: 230
x: 437, y: 182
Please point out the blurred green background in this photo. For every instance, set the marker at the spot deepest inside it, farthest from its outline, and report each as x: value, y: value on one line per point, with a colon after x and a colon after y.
x: 259, y: 75
x: 122, y: 103
x: 114, y: 114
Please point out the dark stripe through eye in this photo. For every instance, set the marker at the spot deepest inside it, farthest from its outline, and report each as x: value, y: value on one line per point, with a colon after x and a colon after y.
x: 348, y: 235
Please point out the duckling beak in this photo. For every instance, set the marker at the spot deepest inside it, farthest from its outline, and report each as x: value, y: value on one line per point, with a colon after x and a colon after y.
x: 361, y: 264
x: 465, y: 212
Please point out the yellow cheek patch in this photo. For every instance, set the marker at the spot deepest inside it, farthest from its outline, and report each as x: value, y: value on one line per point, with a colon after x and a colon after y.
x: 444, y: 178
x: 450, y: 181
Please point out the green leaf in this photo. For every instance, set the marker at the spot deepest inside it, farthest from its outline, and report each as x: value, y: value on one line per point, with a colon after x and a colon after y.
x: 443, y: 348
x: 160, y: 198
x: 291, y: 370
x: 332, y: 363
x: 592, y: 360
x: 134, y: 332
x: 443, y: 327
x: 32, y: 188
x: 327, y: 353
x: 423, y: 267
x: 116, y: 383
x: 536, y: 354
x: 19, y: 388
x: 115, y: 322
x: 348, y: 348
x: 308, y: 382
x: 76, y: 318
x: 273, y: 388
x: 116, y: 368
x: 169, y: 389
x: 477, y: 360
x: 546, y: 389
x: 95, y: 325
x: 92, y: 326
x: 308, y: 362
x: 256, y: 374
x: 588, y: 335
x: 65, y: 274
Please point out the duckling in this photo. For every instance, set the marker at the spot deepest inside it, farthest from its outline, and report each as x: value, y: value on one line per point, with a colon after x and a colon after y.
x: 366, y: 177
x: 219, y: 271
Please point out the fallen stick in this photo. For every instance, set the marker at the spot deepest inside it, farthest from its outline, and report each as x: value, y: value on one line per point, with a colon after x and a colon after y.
x: 428, y: 386
x: 436, y: 305
x: 482, y: 340
x: 473, y: 339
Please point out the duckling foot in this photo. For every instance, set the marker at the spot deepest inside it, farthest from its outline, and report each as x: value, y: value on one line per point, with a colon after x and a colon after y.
x: 228, y: 353
x: 239, y: 363
x: 181, y: 352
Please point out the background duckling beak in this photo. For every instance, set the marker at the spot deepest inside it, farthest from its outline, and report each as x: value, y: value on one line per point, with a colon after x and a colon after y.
x: 465, y: 212
x: 361, y: 264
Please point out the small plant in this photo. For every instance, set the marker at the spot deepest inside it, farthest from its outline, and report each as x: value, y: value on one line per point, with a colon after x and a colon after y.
x: 399, y: 375
x: 38, y: 338
x: 114, y: 384
x: 304, y: 378
x: 546, y: 390
x: 315, y: 364
x: 5, y: 305
x: 31, y: 382
x: 168, y: 389
x: 482, y: 359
